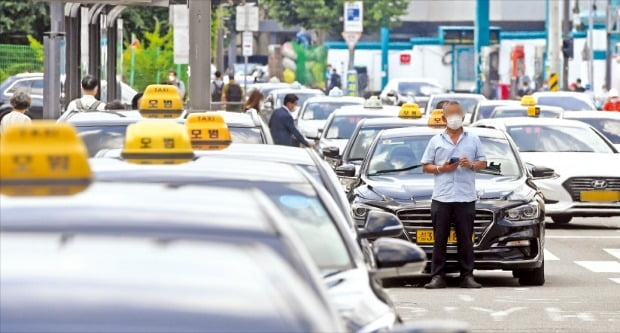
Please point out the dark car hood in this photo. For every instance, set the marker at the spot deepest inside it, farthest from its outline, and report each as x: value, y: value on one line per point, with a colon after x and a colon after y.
x: 420, y: 187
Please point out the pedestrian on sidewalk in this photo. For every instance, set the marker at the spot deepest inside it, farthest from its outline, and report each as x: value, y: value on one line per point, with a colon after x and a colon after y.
x: 20, y: 101
x: 88, y: 101
x: 613, y: 102
x: 453, y: 156
x: 254, y: 101
x: 232, y: 93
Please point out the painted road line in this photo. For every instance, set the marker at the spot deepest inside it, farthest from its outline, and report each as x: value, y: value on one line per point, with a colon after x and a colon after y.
x: 616, y: 280
x: 581, y: 237
x: 613, y: 252
x: 550, y: 256
x: 600, y: 266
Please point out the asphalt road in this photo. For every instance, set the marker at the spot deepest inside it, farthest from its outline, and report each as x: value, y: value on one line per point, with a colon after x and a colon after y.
x: 581, y: 293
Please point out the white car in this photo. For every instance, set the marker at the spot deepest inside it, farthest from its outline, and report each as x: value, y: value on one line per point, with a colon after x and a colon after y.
x: 275, y: 99
x: 567, y: 100
x: 315, y: 111
x: 605, y: 122
x: 401, y: 91
x: 584, y: 179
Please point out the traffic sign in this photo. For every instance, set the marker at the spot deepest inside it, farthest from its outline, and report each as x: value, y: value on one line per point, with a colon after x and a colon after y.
x: 351, y: 38
x: 353, y: 16
x: 248, y: 43
x: 247, y: 18
x: 553, y: 82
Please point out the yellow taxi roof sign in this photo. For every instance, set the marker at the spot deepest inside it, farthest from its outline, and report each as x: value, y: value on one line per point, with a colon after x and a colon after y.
x: 208, y: 131
x: 373, y: 103
x: 43, y: 158
x: 533, y: 111
x: 436, y: 119
x: 157, y: 142
x: 161, y: 101
x: 410, y: 110
x: 528, y: 100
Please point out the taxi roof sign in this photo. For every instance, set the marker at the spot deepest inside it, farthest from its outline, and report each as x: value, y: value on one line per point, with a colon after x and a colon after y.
x: 410, y: 111
x: 373, y: 103
x: 533, y: 111
x: 161, y: 101
x: 43, y: 158
x: 157, y: 142
x: 436, y: 119
x: 208, y: 131
x: 528, y: 100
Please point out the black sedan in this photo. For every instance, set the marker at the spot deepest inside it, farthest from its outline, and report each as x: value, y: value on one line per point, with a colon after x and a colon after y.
x: 509, y: 224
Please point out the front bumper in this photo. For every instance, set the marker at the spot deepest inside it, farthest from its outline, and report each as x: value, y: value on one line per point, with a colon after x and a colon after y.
x: 559, y: 201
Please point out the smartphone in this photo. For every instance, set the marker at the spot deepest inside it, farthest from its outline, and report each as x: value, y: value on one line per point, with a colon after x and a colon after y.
x: 454, y: 160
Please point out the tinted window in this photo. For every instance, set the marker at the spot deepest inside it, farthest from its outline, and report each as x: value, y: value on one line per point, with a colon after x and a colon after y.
x: 609, y: 127
x: 566, y: 102
x: 418, y: 88
x: 557, y: 139
x: 37, y: 87
x: 342, y: 127
x: 322, y: 110
x: 520, y: 112
x: 362, y: 142
x: 402, y: 156
x: 21, y: 84
x: 484, y: 111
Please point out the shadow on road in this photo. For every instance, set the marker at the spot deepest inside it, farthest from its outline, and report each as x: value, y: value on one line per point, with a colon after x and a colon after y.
x: 487, y: 279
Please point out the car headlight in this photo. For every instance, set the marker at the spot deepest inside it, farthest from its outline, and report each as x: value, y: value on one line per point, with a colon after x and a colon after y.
x: 360, y: 210
x: 528, y: 211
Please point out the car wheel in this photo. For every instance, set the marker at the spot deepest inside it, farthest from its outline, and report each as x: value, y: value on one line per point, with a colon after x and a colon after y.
x: 532, y: 277
x: 561, y: 219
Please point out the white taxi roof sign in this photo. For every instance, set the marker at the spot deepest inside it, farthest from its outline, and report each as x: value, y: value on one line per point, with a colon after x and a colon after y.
x: 43, y: 158
x: 161, y: 101
x: 208, y: 131
x: 436, y: 119
x: 157, y: 142
x: 373, y: 103
x: 410, y: 111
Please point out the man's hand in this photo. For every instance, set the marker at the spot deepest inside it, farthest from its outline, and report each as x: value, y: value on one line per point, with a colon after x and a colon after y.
x: 466, y: 163
x: 311, y: 145
x: 447, y: 167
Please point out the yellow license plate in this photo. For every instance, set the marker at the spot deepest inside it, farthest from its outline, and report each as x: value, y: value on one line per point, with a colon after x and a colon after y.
x: 600, y: 196
x: 427, y: 236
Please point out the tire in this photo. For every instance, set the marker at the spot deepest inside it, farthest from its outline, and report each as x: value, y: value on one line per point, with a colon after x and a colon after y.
x: 532, y: 277
x: 561, y: 219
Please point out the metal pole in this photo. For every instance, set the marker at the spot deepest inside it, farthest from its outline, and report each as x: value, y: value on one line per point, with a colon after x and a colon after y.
x: 481, y: 37
x: 566, y: 28
x: 591, y: 45
x: 245, y: 57
x: 453, y: 67
x: 220, y: 50
x: 385, y: 44
x: 553, y: 39
x: 199, y: 55
x: 51, y: 75
x: 608, y: 27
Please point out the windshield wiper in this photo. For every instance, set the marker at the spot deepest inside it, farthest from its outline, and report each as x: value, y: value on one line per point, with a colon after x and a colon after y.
x: 396, y: 170
x: 333, y: 272
x: 488, y: 171
x: 356, y: 159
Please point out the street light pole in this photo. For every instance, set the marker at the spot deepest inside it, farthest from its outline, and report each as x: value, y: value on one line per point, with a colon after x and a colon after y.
x: 199, y: 55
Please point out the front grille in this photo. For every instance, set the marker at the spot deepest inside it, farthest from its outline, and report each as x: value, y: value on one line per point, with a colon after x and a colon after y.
x: 414, y: 219
x: 576, y: 185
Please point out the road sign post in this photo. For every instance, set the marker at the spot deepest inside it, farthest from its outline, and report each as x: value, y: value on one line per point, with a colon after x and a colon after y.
x: 353, y: 27
x: 247, y: 22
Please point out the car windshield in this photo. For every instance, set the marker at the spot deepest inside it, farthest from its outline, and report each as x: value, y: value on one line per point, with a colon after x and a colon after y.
x: 535, y: 138
x: 418, y: 88
x: 609, y: 127
x: 485, y: 111
x: 98, y: 138
x: 402, y: 156
x: 521, y: 112
x: 303, y: 96
x: 467, y: 103
x: 322, y: 110
x: 566, y: 102
x: 342, y: 127
x: 309, y: 218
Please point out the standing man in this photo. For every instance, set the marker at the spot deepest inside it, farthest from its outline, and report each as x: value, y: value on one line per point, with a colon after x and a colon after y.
x: 579, y: 87
x: 173, y: 80
x: 88, y: 101
x: 282, y: 126
x: 217, y: 86
x: 232, y: 92
x: 453, y: 156
x: 20, y: 101
x: 335, y: 80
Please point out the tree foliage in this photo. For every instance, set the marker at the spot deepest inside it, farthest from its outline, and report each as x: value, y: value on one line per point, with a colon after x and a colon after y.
x: 140, y: 20
x: 19, y: 18
x: 327, y: 14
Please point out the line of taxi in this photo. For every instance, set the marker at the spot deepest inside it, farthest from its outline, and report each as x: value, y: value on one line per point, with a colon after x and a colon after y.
x: 175, y: 229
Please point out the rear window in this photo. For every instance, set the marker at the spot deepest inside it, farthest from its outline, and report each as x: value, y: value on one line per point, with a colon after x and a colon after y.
x: 566, y: 102
x: 534, y: 138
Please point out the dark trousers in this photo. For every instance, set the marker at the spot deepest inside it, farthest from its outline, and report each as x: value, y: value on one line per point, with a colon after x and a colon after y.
x: 461, y: 215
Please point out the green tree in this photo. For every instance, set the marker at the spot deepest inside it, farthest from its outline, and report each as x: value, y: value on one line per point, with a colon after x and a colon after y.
x: 326, y: 15
x: 140, y: 19
x: 19, y: 18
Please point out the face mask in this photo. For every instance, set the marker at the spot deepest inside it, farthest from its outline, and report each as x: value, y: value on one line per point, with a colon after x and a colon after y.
x: 171, y: 78
x: 454, y: 122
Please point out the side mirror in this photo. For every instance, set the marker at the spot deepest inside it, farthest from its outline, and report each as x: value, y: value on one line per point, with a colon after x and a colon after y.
x: 331, y: 152
x: 540, y: 172
x: 397, y: 258
x: 381, y: 224
x: 392, y: 93
x: 314, y: 135
x: 346, y: 170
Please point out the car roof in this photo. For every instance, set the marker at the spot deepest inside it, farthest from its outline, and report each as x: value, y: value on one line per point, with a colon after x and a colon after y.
x: 525, y: 121
x: 354, y: 110
x: 395, y: 121
x: 27, y: 75
x: 592, y: 114
x: 524, y: 108
x: 202, y: 169
x: 273, y: 153
x: 498, y: 102
x: 88, y: 283
x: 146, y: 207
x: 336, y: 99
x: 107, y: 118
x: 574, y: 94
x: 447, y: 96
x: 407, y: 131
